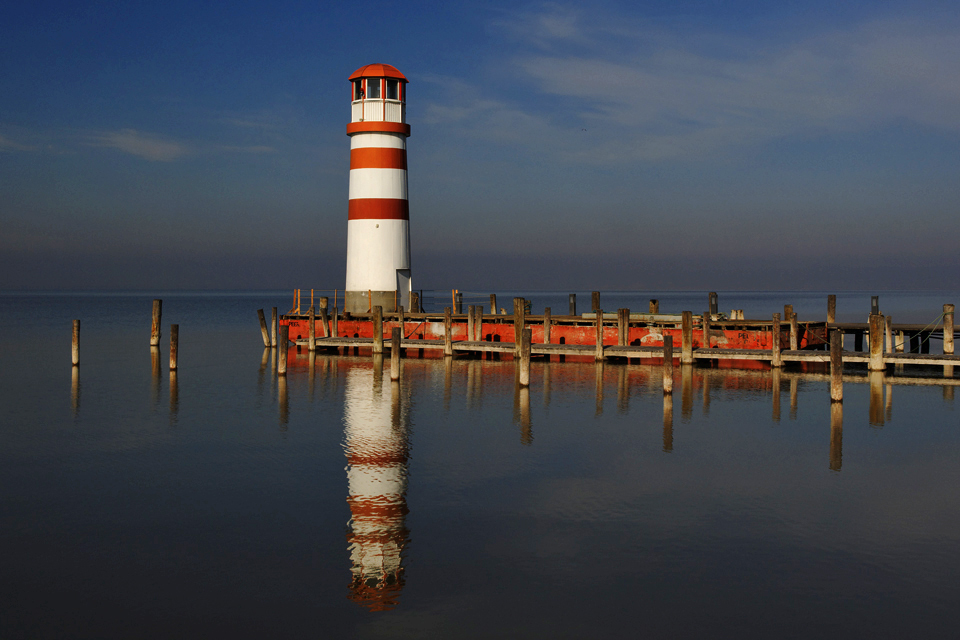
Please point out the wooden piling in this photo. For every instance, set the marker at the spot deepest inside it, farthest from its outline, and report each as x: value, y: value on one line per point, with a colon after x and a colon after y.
x: 378, y: 329
x: 595, y: 301
x: 174, y: 345
x: 876, y: 343
x: 519, y: 322
x: 831, y: 309
x: 948, y: 328
x: 274, y: 321
x: 667, y: 365
x: 312, y: 330
x: 547, y: 322
x: 263, y: 328
x: 282, y: 350
x: 654, y: 305
x: 888, y: 334
x: 794, y: 332
x: 623, y: 327
x: 787, y: 312
x: 836, y: 366
x: 573, y: 304
x: 324, y: 316
x: 775, y: 360
x: 334, y: 328
x: 395, y: 353
x: 525, y: 340
x: 686, y: 338
x: 470, y: 320
x: 447, y: 332
x: 493, y: 304
x: 598, y: 351
x: 75, y: 350
x: 155, y: 324
x: 705, y: 342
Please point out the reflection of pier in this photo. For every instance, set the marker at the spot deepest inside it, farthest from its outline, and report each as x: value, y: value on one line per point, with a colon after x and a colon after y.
x: 377, y: 447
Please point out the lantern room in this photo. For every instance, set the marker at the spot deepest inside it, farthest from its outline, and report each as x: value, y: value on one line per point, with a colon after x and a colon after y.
x: 378, y: 93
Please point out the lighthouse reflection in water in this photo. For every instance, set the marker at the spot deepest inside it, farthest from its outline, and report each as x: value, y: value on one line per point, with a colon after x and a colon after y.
x: 377, y: 448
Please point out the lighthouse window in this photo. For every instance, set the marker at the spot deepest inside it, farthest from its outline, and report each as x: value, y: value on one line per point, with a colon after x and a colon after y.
x: 393, y: 89
x: 358, y: 89
x: 373, y: 88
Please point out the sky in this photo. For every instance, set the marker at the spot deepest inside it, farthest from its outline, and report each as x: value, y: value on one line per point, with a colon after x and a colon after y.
x: 690, y: 144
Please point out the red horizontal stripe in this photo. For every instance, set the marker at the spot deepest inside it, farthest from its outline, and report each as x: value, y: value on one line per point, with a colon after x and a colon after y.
x: 379, y: 209
x: 378, y: 158
x: 378, y: 127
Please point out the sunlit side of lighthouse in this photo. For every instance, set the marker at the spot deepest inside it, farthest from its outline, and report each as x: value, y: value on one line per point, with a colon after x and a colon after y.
x: 378, y: 227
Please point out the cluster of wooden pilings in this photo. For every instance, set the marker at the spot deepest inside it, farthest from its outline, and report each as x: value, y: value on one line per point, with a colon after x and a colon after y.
x: 700, y: 337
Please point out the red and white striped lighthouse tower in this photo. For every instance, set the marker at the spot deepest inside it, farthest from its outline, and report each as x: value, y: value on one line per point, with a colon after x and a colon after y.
x: 378, y: 227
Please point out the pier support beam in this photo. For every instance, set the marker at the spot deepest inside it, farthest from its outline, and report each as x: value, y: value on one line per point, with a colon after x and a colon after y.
x: 888, y: 334
x: 547, y: 322
x: 595, y: 301
x: 948, y: 328
x: 274, y: 327
x: 623, y: 326
x: 493, y: 304
x: 598, y: 351
x: 836, y: 366
x: 378, y: 329
x: 794, y: 332
x: 706, y: 330
x: 447, y: 332
x: 471, y: 332
x: 686, y: 338
x: 876, y: 343
x: 775, y: 359
x: 312, y: 330
x: 519, y: 323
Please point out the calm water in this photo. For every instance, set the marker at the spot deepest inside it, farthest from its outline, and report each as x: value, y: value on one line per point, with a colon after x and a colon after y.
x: 224, y: 503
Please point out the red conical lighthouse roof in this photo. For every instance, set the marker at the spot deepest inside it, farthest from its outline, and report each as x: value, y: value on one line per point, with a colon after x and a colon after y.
x: 377, y: 71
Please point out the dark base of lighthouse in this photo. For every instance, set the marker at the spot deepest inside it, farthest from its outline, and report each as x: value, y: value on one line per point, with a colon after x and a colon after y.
x: 365, y: 301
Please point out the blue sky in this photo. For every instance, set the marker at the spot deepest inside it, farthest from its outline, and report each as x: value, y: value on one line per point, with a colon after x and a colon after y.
x: 659, y: 145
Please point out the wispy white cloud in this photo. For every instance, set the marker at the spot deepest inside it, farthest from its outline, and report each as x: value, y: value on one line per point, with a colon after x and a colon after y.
x: 6, y: 144
x: 142, y: 145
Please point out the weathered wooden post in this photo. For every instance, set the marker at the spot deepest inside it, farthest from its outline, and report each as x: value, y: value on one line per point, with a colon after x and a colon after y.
x: 623, y: 324
x: 787, y: 312
x: 654, y: 305
x: 595, y: 300
x: 458, y: 302
x: 282, y: 350
x: 901, y: 341
x: 274, y: 322
x: 888, y: 334
x: 478, y: 323
x: 573, y: 304
x: 75, y: 349
x: 395, y: 354
x: 519, y: 323
x: 836, y: 366
x: 263, y: 328
x: 714, y: 303
x: 667, y: 365
x: 471, y: 333
x: 598, y: 350
x: 775, y: 360
x: 155, y: 324
x: 525, y: 357
x: 324, y: 316
x: 794, y: 332
x: 334, y: 324
x: 378, y: 329
x: 706, y: 331
x: 312, y: 330
x: 831, y: 309
x: 447, y: 332
x: 948, y: 328
x: 686, y: 338
x: 876, y: 343
x: 547, y: 322
x: 174, y: 345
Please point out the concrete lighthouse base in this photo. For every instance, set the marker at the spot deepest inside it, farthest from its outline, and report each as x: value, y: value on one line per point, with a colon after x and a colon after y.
x: 364, y: 301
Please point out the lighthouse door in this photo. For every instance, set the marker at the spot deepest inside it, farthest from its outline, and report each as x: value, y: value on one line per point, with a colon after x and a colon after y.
x: 403, y: 288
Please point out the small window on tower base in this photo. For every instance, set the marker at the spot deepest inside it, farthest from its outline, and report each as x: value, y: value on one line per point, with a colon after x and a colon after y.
x: 393, y: 89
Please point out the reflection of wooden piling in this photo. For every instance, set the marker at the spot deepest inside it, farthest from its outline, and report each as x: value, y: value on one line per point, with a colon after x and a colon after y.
x: 599, y: 373
x: 273, y: 327
x: 283, y: 400
x: 395, y: 354
x: 836, y: 366
x: 876, y: 398
x: 174, y: 394
x: 598, y: 349
x: 312, y: 330
x: 526, y: 429
x: 948, y: 328
x: 668, y: 365
x: 686, y: 391
x: 654, y: 305
x: 263, y: 328
x: 876, y: 343
x: 888, y: 403
x: 282, y: 350
x: 547, y: 323
x: 831, y: 309
x: 75, y: 347
x: 447, y: 332
x: 378, y: 329
x: 686, y: 338
x: 667, y: 423
x: 174, y: 345
x: 793, y: 398
x: 155, y: 324
x: 775, y: 359
x: 836, y: 436
x: 525, y: 358
x: 775, y: 384
x: 75, y: 390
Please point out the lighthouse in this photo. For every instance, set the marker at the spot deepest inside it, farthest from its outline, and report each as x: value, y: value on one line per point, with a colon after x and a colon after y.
x: 378, y: 226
